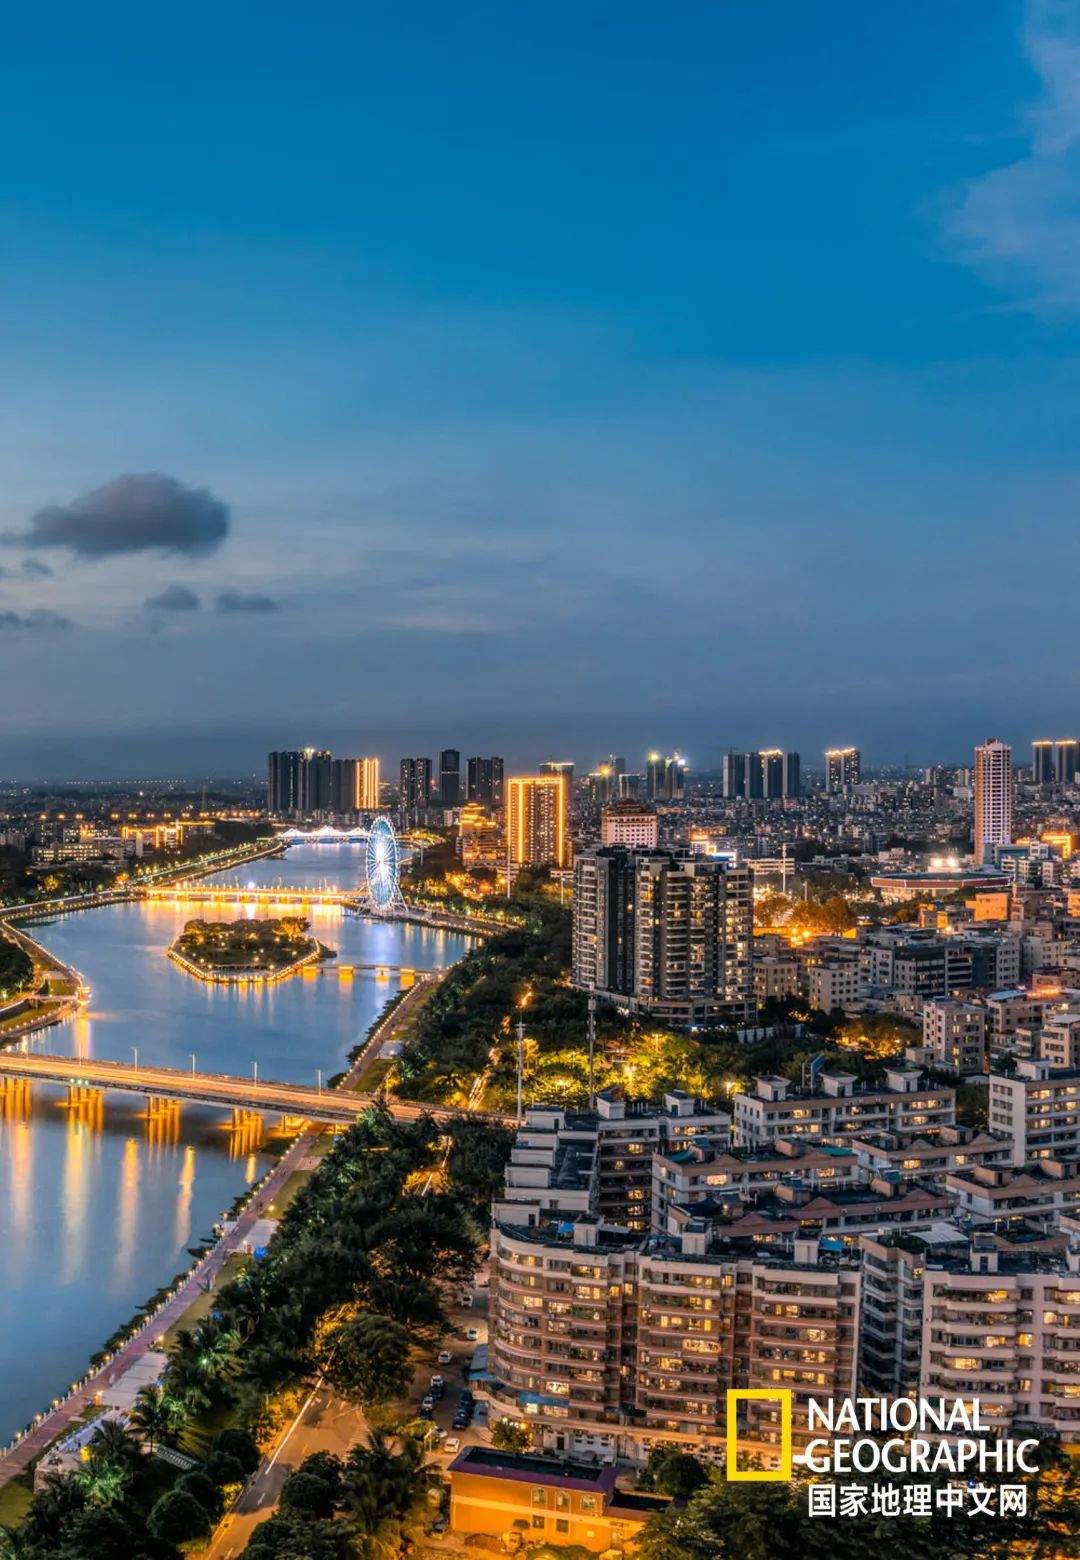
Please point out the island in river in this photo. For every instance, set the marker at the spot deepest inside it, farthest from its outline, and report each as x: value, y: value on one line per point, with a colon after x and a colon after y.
x: 247, y: 950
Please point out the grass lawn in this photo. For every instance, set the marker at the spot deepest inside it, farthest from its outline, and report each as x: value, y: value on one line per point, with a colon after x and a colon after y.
x: 15, y: 1500
x: 203, y: 1303
x: 372, y: 1076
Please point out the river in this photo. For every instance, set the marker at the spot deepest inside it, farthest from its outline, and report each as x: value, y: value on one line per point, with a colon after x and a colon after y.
x: 99, y: 1206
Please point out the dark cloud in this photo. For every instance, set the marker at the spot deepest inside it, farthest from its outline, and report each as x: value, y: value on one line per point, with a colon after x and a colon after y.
x: 34, y: 569
x: 237, y: 601
x: 174, y: 598
x: 40, y: 620
x: 131, y: 514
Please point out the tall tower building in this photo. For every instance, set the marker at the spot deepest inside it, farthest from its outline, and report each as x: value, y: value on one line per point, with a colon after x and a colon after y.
x: 1042, y: 762
x: 993, y: 798
x: 1066, y: 760
x: 284, y: 772
x: 735, y: 766
x: 368, y: 783
x: 316, y: 780
x: 673, y: 933
x: 536, y: 817
x: 450, y: 777
x: 484, y: 781
x: 842, y: 767
x: 414, y: 785
x: 665, y: 778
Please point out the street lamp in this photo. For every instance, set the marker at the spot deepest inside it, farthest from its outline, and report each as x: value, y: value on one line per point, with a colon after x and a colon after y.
x: 255, y: 1071
x: 193, y: 1064
x: 318, y: 1074
x: 135, y: 1053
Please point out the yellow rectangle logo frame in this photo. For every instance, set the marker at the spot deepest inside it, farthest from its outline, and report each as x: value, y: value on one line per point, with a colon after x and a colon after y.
x: 781, y: 1395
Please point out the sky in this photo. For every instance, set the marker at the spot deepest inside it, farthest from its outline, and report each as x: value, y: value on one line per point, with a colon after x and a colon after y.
x: 546, y: 380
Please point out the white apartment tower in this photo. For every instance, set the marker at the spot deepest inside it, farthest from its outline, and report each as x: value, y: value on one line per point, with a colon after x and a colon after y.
x: 993, y: 798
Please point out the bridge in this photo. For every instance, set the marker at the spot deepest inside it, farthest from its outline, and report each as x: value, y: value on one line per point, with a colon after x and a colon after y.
x: 237, y: 894
x: 84, y: 1079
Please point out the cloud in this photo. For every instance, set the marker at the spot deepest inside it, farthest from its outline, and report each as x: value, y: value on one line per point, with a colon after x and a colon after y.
x: 174, y: 598
x: 34, y: 569
x: 40, y: 620
x: 237, y: 601
x: 1022, y: 220
x: 131, y: 514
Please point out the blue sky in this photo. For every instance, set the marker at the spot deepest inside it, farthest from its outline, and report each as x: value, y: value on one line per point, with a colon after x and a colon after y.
x: 590, y: 376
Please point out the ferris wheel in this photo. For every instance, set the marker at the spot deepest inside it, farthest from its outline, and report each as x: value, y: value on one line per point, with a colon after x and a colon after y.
x: 383, y: 863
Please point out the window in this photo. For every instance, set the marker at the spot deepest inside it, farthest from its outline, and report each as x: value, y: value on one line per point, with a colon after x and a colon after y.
x: 539, y: 1497
x: 561, y: 1525
x: 539, y: 1522
x: 588, y: 1505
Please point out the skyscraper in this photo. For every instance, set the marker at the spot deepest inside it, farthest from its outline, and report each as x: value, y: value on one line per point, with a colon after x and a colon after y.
x: 842, y: 766
x: 414, y: 785
x: 536, y: 821
x: 284, y: 784
x: 671, y: 932
x: 768, y: 775
x: 665, y: 778
x: 1066, y: 760
x: 993, y: 798
x: 735, y: 775
x: 316, y: 780
x: 354, y: 785
x: 1042, y: 762
x: 484, y: 781
x: 450, y: 777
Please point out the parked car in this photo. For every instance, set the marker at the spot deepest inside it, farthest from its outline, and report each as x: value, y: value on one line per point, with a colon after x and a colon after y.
x: 466, y: 1300
x: 444, y: 1357
x: 428, y: 1403
x: 452, y: 1444
x: 472, y: 1333
x: 460, y: 1420
x: 437, y: 1381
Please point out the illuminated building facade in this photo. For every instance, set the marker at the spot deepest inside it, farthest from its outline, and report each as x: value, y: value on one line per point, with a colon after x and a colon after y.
x: 634, y: 824
x: 769, y: 775
x: 665, y: 933
x: 414, y: 786
x: 536, y: 819
x: 300, y: 783
x: 1066, y: 760
x: 842, y: 769
x: 484, y: 782
x: 993, y: 798
x: 665, y: 778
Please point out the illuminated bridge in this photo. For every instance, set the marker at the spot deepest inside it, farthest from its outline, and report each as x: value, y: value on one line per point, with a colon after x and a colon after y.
x: 237, y: 894
x: 84, y: 1079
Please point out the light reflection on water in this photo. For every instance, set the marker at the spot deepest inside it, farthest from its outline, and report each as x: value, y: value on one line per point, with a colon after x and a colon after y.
x: 100, y: 1201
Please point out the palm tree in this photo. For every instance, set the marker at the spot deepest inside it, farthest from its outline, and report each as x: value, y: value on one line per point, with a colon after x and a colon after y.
x: 155, y: 1414
x: 19, y: 1544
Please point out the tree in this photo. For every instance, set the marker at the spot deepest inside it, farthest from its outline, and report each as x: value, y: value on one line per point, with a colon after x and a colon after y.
x: 179, y: 1517
x: 369, y: 1360
x: 198, y: 1483
x: 291, y: 1537
x: 671, y: 1472
x: 237, y: 1443
x: 155, y: 1415
x: 506, y: 1436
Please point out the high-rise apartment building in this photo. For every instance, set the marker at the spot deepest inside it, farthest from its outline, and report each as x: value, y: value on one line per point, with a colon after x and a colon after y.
x: 665, y: 933
x: 1066, y: 760
x: 633, y: 824
x: 769, y: 775
x: 842, y: 766
x: 665, y: 778
x: 993, y: 798
x: 536, y: 821
x: 414, y: 785
x: 354, y: 784
x: 1042, y: 762
x: 450, y: 777
x: 284, y: 788
x: 484, y: 781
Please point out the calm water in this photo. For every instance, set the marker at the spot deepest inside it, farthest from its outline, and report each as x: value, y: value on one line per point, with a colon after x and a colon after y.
x: 98, y: 1208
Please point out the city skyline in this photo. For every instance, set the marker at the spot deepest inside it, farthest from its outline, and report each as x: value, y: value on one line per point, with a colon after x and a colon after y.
x: 371, y: 399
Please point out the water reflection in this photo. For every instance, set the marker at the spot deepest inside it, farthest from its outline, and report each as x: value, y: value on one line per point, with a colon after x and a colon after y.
x: 101, y: 1197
